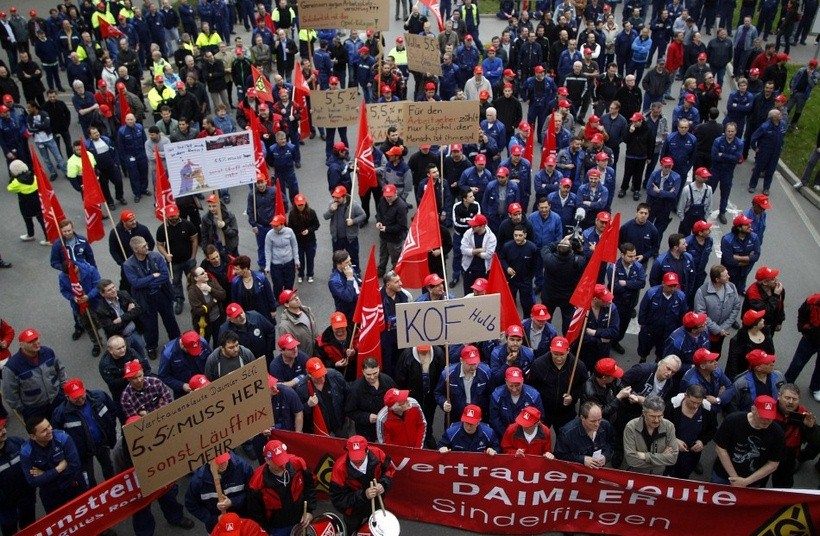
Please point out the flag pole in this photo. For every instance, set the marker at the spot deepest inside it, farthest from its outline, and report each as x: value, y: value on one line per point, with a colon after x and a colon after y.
x: 447, y: 416
x: 611, y: 291
x: 578, y: 352
x: 114, y: 229
x: 353, y: 186
x: 168, y: 244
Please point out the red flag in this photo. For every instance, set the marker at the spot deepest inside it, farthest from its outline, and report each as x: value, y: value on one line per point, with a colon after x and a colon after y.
x: 258, y: 146
x: 365, y: 168
x: 109, y: 30
x: 262, y: 85
x: 301, y: 91
x: 163, y: 196
x: 319, y: 424
x: 93, y: 223
x: 550, y: 145
x: 423, y: 237
x: 49, y: 204
x: 125, y: 108
x: 528, y: 148
x: 575, y: 325
x: 497, y: 284
x: 278, y: 201
x: 369, y: 314
x: 582, y: 296
x: 92, y: 193
x: 433, y: 7
x: 269, y: 23
x: 609, y: 240
x: 76, y: 287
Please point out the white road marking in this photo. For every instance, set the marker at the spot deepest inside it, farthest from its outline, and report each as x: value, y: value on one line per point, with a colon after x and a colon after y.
x: 798, y: 209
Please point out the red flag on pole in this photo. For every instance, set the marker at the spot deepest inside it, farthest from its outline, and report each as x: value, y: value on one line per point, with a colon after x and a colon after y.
x: 319, y: 423
x: 497, y: 284
x: 93, y: 223
x: 125, y: 108
x: 262, y: 85
x: 301, y: 91
x: 269, y: 23
x: 109, y: 30
x: 48, y: 199
x: 163, y: 196
x: 550, y: 145
x: 258, y: 146
x: 424, y: 236
x: 582, y: 296
x: 76, y: 287
x: 528, y: 148
x: 434, y: 8
x: 369, y: 314
x: 92, y: 199
x: 609, y: 241
x: 278, y: 201
x: 365, y: 168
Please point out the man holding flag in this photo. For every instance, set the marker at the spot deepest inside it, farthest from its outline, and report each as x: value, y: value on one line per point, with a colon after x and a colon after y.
x: 424, y: 236
x: 78, y: 284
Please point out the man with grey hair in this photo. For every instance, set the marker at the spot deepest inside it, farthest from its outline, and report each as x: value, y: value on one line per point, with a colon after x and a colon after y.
x: 147, y: 273
x: 84, y: 104
x: 767, y: 142
x: 650, y: 445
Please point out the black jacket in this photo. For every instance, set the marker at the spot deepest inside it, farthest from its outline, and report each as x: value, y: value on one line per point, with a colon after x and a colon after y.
x: 106, y: 314
x: 69, y: 417
x: 362, y: 400
x: 640, y: 143
x: 552, y: 383
x: 561, y: 272
x: 394, y: 218
x: 573, y: 442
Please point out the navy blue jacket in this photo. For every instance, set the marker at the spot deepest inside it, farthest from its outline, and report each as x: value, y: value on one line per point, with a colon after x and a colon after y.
x: 548, y: 333
x: 70, y: 418
x: 80, y: 251
x: 46, y: 459
x: 257, y: 334
x: 681, y: 344
x: 525, y: 260
x: 499, y: 365
x: 700, y: 253
x: 635, y: 278
x: 176, y: 366
x: 479, y: 391
x: 685, y: 268
x: 503, y: 410
x: 573, y: 442
x: 645, y: 238
x: 201, y: 497
x: 456, y: 438
x: 15, y: 487
x: 660, y: 315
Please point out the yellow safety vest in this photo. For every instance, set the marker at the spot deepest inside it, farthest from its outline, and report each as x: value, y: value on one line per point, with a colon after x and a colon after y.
x: 157, y: 99
x: 203, y: 40
x: 74, y: 165
x: 307, y: 35
x: 95, y: 18
x: 399, y: 55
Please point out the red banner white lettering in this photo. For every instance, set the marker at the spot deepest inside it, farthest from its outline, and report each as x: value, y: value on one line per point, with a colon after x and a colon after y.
x: 96, y: 510
x: 531, y: 495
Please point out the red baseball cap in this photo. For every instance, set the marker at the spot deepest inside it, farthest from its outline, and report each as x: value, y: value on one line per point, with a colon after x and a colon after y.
x: 480, y: 159
x: 233, y: 310
x: 190, y: 341
x: 603, y: 216
x: 514, y: 375
x: 559, y: 344
x: 671, y: 279
x: 540, y: 312
x: 223, y: 458
x: 703, y: 173
x: 395, y: 396
x: 331, y: 80
x: 287, y: 342
x: 299, y: 200
x: 667, y: 161
x: 198, y: 381
x: 132, y: 369
x: 286, y: 295
x: 694, y: 320
x: 766, y: 407
x: 509, y: 73
x: 339, y: 146
x: 516, y: 150
x: 703, y: 355
x: 471, y: 414
x: 126, y: 215
x: 759, y: 357
x: 689, y: 98
x: 741, y: 219
x: 598, y: 138
x: 565, y: 181
x: 502, y: 171
x: 338, y: 320
x: 594, y: 173
x: 479, y: 285
x: 277, y: 452
x: 609, y: 367
x: 601, y: 156
x: 279, y: 219
x: 764, y: 272
x: 752, y: 317
x: 637, y: 116
x: 701, y: 225
x: 28, y: 335
x: 389, y: 190
x: 514, y: 208
x: 762, y: 200
x: 315, y: 367
x: 339, y: 191
x: 594, y: 119
x: 74, y: 388
x: 539, y: 69
x: 478, y: 219
x: 470, y: 355
x: 432, y: 280
x: 529, y: 416
x: 514, y: 330
x: 357, y: 448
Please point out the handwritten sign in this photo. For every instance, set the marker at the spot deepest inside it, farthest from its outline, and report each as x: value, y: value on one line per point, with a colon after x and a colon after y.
x: 210, y: 163
x: 423, y: 54
x: 465, y: 320
x: 441, y: 123
x: 335, y: 108
x: 381, y: 116
x: 373, y: 14
x: 177, y: 439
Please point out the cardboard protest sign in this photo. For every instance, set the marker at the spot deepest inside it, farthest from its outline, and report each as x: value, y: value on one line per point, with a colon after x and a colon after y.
x: 210, y: 163
x: 442, y: 123
x: 465, y: 320
x: 381, y: 116
x: 177, y: 439
x: 423, y: 53
x: 373, y: 14
x: 335, y: 108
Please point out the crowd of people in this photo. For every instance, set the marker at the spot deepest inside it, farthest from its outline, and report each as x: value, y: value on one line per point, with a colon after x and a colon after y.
x: 573, y: 76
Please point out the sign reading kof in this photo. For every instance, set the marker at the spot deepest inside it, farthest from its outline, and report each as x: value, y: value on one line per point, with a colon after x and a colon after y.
x: 460, y: 321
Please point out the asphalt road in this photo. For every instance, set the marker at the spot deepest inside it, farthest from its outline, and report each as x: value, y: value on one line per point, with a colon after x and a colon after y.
x: 29, y: 295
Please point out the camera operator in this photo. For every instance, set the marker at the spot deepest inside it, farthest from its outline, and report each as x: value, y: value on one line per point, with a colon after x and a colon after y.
x: 564, y: 262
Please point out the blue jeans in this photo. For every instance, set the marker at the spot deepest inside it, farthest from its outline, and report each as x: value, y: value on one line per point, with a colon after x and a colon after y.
x: 179, y: 268
x: 49, y: 149
x: 282, y: 277
x: 802, y: 355
x: 137, y: 343
x: 260, y: 245
x: 307, y: 256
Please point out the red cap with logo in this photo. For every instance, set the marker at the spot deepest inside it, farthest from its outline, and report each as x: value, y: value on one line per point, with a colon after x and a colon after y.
x: 701, y: 225
x: 693, y: 320
x: 602, y: 293
x: 671, y: 279
x: 602, y: 156
x: 609, y: 367
x: 389, y: 190
x: 762, y: 200
x: 514, y: 375
x: 540, y: 312
x: 190, y: 342
x: 759, y: 357
x: 480, y: 285
x: 514, y: 330
x: 74, y: 388
x: 703, y: 173
x: 315, y: 367
x: 477, y: 220
x: 395, y: 396
x: 766, y: 407
x: 198, y: 381
x: 667, y: 161
x: 741, y: 219
x: 764, y: 272
x: 356, y: 448
x: 529, y: 416
x: 287, y: 342
x: 559, y: 344
x: 603, y: 216
x: 432, y: 280
x: 286, y: 295
x: 234, y: 310
x: 339, y: 191
x: 470, y: 355
x: 277, y: 452
x: 471, y: 414
x: 132, y: 369
x: 480, y: 159
x: 752, y: 317
x: 28, y: 335
x: 514, y: 208
x: 703, y: 355
x: 516, y: 150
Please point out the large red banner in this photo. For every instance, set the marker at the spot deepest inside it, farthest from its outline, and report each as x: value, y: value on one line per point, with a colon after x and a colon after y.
x: 96, y: 510
x: 507, y: 495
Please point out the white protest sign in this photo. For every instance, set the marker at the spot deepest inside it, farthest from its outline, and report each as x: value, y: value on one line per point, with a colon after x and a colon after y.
x: 211, y: 163
x: 464, y: 320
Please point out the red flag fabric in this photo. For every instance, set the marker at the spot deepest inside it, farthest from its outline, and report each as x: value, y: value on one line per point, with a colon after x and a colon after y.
x: 550, y: 143
x: 301, y: 91
x: 319, y: 423
x: 424, y: 236
x: 92, y: 193
x: 109, y: 30
x: 434, y: 8
x: 365, y: 168
x: 125, y: 108
x: 93, y: 223
x: 269, y: 23
x: 369, y: 314
x: 575, y: 325
x: 278, y: 201
x: 163, y: 196
x: 582, y: 296
x: 76, y: 287
x: 49, y: 203
x: 497, y: 284
x: 262, y: 85
x: 529, y: 147
x: 610, y: 239
x: 258, y: 146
